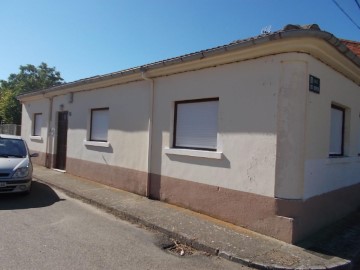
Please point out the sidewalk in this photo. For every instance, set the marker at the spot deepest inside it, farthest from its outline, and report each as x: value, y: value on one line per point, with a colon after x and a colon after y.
x: 199, y: 231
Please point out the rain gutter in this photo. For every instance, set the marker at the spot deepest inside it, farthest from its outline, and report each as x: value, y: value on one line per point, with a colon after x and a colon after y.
x: 234, y: 46
x: 150, y: 130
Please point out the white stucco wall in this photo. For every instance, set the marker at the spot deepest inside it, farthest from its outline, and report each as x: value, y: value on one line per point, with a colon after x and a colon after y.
x: 273, y: 134
x: 36, y: 144
x: 324, y: 174
x: 247, y: 124
x: 291, y: 127
x: 128, y: 123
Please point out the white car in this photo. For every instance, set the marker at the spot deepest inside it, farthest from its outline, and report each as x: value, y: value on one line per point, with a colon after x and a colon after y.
x: 15, y: 165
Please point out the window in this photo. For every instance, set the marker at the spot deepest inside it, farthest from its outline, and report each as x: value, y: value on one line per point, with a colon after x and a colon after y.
x: 12, y: 147
x: 99, y: 124
x: 37, y: 124
x: 196, y: 124
x: 337, y: 131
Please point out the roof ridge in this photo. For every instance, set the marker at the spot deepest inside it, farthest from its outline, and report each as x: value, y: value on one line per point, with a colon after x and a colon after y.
x: 349, y: 49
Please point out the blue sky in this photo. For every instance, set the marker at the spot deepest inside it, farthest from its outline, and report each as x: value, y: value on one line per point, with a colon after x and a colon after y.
x: 93, y: 37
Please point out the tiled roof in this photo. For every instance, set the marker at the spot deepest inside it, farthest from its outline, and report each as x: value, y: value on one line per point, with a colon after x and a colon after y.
x: 354, y: 46
x: 349, y: 49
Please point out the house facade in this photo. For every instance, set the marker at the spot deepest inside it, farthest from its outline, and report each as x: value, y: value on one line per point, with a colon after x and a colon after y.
x: 263, y: 133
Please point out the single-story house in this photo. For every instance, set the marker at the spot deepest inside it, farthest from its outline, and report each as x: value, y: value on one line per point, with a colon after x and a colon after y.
x: 263, y: 133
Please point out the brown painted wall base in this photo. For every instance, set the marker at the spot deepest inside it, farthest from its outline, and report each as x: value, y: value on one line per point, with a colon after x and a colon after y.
x: 248, y: 210
x: 122, y: 178
x: 317, y: 212
x: 286, y: 220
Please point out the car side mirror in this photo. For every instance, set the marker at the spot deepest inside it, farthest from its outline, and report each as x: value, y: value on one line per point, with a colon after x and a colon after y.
x: 34, y: 155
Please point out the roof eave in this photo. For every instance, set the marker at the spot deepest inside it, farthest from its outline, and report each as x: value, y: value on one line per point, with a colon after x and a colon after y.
x: 134, y: 74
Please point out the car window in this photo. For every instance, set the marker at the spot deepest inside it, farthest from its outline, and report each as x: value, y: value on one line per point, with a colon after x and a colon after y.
x: 12, y: 148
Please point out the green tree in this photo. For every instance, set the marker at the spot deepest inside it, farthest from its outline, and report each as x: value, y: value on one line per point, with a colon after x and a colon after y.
x: 30, y: 78
x: 10, y: 109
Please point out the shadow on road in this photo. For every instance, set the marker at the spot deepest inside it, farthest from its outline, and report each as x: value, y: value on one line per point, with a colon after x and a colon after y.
x: 341, y: 239
x: 41, y: 196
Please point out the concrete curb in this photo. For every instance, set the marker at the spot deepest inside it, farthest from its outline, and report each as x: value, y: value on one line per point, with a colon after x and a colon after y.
x: 135, y: 220
x: 186, y: 240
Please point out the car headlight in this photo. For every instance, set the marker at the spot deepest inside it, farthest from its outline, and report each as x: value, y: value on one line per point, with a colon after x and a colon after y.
x: 21, y: 172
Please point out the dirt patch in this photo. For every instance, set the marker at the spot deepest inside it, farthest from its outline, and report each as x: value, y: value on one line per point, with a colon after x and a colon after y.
x: 181, y: 249
x: 174, y: 246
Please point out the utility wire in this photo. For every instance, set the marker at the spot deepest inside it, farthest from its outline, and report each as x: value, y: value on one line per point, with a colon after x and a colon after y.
x: 357, y: 2
x: 347, y: 15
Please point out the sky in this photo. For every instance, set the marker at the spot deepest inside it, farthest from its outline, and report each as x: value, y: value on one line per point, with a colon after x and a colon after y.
x: 85, y: 38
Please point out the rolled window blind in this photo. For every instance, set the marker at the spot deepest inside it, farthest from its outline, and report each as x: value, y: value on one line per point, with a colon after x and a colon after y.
x: 99, y: 124
x: 37, y: 124
x: 197, y: 125
x: 336, y: 131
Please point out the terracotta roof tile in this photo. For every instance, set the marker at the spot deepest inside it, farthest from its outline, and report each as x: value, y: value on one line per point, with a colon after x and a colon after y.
x: 354, y: 46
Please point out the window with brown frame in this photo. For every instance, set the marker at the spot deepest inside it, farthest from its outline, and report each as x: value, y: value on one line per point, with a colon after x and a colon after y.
x: 99, y: 124
x: 196, y: 124
x: 337, y: 131
x: 37, y: 123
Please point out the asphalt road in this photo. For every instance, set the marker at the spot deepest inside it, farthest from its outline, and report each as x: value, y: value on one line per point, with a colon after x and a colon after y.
x: 49, y: 230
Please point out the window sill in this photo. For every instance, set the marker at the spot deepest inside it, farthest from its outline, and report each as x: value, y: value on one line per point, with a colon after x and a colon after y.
x: 36, y: 138
x: 94, y: 143
x: 193, y: 153
x: 342, y: 159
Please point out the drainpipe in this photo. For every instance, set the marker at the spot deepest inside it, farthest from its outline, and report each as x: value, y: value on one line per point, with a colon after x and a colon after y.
x: 150, y: 128
x: 48, y: 136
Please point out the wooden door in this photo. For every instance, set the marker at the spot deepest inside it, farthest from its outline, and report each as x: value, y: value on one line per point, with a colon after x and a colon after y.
x: 61, y: 140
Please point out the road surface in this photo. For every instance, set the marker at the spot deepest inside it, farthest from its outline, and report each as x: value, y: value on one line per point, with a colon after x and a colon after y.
x: 49, y: 230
